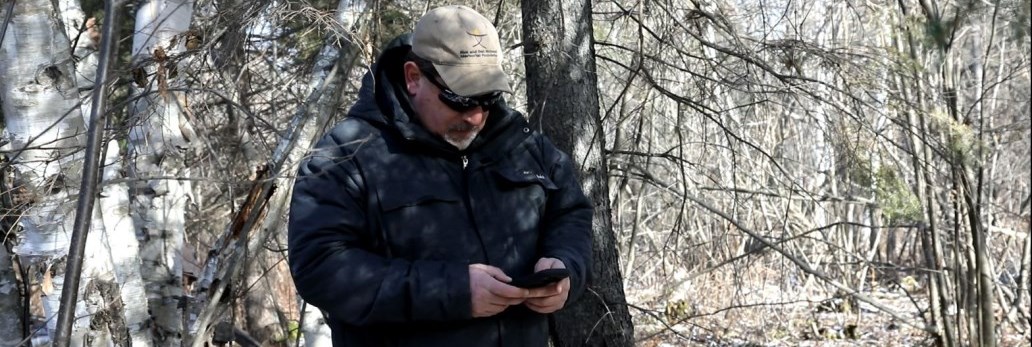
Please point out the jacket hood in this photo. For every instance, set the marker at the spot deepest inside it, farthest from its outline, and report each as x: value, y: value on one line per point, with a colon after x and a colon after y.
x: 383, y: 102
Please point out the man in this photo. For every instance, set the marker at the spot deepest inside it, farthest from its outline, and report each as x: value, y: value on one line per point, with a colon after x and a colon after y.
x: 412, y: 216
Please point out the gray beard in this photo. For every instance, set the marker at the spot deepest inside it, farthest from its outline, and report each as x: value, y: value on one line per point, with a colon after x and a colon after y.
x: 461, y: 143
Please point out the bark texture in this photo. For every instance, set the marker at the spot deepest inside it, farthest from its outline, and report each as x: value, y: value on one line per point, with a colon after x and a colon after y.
x: 158, y: 143
x: 563, y: 101
x: 44, y: 128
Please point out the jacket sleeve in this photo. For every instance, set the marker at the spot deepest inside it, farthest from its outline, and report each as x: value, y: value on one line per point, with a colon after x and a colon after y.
x: 333, y: 257
x: 567, y: 223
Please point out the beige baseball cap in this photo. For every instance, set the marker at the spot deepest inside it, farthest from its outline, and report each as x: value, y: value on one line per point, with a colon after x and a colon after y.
x: 464, y: 48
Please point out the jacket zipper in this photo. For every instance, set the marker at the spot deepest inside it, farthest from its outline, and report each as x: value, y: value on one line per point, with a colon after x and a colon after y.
x: 470, y: 209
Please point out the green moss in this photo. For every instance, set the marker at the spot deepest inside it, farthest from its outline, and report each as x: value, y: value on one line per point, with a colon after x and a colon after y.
x: 860, y: 171
x: 898, y: 202
x: 677, y: 311
x: 938, y: 32
x: 1020, y: 29
x: 293, y: 330
x: 961, y: 145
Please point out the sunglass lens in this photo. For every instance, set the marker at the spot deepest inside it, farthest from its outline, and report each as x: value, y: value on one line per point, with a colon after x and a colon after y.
x: 464, y: 103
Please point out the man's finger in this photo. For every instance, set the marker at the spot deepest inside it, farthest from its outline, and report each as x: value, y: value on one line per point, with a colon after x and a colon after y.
x: 503, y: 301
x: 548, y: 263
x: 493, y: 271
x: 546, y: 291
x: 512, y: 302
x: 545, y: 301
x: 507, y: 291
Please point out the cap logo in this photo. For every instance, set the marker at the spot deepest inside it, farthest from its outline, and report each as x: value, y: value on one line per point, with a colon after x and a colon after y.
x: 478, y: 36
x: 465, y: 49
x: 478, y: 50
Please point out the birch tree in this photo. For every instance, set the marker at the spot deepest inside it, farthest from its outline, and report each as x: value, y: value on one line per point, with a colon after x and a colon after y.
x: 334, y: 64
x: 158, y: 141
x: 119, y: 237
x: 44, y: 128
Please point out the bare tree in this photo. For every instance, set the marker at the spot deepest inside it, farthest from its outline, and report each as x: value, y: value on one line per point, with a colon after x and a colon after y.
x: 827, y: 128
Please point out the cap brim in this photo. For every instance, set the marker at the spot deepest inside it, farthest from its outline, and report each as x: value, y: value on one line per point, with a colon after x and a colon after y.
x: 473, y: 80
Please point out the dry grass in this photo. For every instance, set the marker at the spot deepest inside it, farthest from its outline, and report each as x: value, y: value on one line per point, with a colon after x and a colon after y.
x: 765, y: 306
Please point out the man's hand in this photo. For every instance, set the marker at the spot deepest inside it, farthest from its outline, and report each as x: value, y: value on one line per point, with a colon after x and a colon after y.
x: 491, y: 292
x: 552, y: 297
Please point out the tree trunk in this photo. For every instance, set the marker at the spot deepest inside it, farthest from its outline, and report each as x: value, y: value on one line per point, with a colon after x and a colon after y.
x: 157, y: 148
x: 563, y: 100
x: 84, y: 38
x: 10, y: 299
x: 45, y: 129
x: 924, y: 187
x: 120, y: 233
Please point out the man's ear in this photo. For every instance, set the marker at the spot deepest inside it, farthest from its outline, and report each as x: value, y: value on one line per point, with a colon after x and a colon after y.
x: 412, y: 77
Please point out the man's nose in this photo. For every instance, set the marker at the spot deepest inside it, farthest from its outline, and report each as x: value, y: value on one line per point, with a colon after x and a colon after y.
x: 474, y: 115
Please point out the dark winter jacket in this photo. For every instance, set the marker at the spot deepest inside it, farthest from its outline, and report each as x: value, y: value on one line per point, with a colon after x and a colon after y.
x: 386, y: 218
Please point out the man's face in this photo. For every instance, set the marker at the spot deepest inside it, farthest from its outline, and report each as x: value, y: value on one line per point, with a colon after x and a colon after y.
x: 458, y: 128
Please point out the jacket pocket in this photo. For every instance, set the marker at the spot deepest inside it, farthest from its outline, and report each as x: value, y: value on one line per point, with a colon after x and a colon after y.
x: 423, y: 220
x: 519, y: 178
x: 410, y: 193
x: 399, y: 200
x: 525, y: 187
x: 517, y: 208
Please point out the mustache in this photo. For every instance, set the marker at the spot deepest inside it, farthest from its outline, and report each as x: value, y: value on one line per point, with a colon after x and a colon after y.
x: 463, y: 127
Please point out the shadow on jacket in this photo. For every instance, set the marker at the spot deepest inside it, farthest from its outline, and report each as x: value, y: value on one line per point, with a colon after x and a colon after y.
x: 385, y: 219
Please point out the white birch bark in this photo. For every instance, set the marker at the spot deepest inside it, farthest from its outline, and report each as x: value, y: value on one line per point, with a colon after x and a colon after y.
x: 157, y: 143
x: 72, y: 20
x: 120, y: 236
x: 314, y: 330
x: 45, y: 129
x: 96, y: 276
x: 84, y: 37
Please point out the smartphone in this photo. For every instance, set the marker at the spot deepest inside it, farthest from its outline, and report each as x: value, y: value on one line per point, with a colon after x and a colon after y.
x: 541, y: 278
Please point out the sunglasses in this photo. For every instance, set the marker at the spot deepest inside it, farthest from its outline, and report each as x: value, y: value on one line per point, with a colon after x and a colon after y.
x: 462, y: 103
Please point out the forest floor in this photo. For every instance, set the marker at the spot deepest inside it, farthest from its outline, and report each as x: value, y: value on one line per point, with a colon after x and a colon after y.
x: 717, y: 312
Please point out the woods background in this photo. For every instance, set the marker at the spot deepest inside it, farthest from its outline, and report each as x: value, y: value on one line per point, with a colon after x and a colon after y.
x: 773, y: 172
